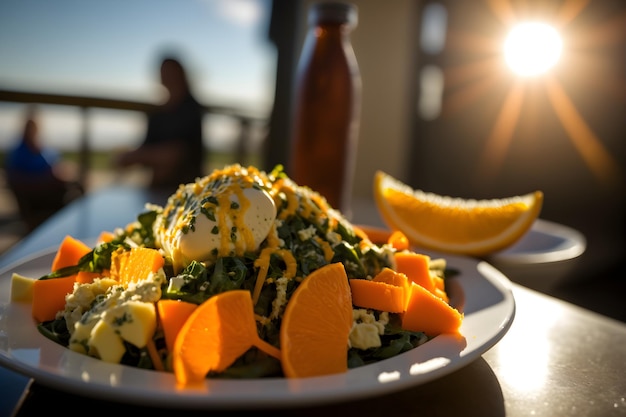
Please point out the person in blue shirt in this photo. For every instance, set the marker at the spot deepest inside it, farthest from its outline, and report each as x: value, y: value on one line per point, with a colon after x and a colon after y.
x: 33, y: 176
x: 28, y: 158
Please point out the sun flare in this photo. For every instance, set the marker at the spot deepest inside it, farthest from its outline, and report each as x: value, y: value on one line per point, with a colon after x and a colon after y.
x: 532, y: 61
x: 532, y: 48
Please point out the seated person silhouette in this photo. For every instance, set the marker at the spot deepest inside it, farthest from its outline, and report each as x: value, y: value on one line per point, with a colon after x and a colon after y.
x: 172, y: 148
x: 34, y: 178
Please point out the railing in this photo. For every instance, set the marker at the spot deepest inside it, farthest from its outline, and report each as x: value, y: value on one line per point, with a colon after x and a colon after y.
x: 246, y: 122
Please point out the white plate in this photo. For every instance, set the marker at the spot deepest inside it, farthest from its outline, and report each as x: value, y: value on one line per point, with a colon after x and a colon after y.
x: 545, y: 242
x: 481, y: 291
x: 544, y: 257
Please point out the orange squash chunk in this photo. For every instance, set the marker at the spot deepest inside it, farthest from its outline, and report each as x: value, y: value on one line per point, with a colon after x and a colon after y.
x: 105, y: 236
x: 173, y: 314
x: 398, y: 241
x: 399, y: 279
x: 440, y: 288
x: 69, y: 253
x: 49, y: 296
x: 380, y: 236
x: 441, y: 294
x: 86, y: 277
x: 428, y: 313
x: 439, y: 283
x: 377, y: 295
x: 416, y: 267
x: 134, y: 265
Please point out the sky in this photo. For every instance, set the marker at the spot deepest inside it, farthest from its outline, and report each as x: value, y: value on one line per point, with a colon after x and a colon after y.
x: 112, y: 49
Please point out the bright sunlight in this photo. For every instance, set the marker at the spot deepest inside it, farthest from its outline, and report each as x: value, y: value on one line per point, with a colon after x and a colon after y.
x: 532, y: 48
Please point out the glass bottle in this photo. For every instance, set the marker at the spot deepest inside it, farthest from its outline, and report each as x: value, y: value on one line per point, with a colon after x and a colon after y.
x: 327, y: 105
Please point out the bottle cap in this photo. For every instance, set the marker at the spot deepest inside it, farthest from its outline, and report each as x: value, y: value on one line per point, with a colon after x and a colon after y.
x: 333, y: 12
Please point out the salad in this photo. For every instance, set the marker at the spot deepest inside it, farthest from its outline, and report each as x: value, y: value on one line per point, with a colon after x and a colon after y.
x: 238, y: 228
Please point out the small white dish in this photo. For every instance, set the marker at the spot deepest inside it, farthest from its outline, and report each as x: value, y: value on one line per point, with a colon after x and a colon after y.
x: 543, y: 257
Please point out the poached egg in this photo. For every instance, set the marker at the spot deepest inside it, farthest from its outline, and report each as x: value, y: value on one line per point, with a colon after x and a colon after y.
x: 227, y: 213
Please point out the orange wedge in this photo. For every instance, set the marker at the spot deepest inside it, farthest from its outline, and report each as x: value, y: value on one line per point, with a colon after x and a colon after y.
x: 316, y: 325
x: 214, y: 335
x: 454, y: 225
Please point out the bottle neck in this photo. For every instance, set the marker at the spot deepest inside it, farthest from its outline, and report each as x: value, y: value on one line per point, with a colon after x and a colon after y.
x: 333, y: 13
x: 332, y: 19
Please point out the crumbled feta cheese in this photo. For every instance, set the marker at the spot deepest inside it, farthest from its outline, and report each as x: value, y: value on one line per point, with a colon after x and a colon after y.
x: 129, y: 312
x: 307, y: 233
x: 366, y: 330
x: 333, y: 237
x: 82, y: 298
x: 176, y: 283
x: 133, y: 321
x: 364, y: 336
x: 105, y: 343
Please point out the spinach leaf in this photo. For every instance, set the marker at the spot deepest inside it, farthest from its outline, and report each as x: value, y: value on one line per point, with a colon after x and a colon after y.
x: 394, y: 342
x: 202, y: 282
x: 55, y: 330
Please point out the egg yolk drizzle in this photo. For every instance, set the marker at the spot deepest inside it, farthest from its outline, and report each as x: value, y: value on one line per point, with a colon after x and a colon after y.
x: 223, y: 199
